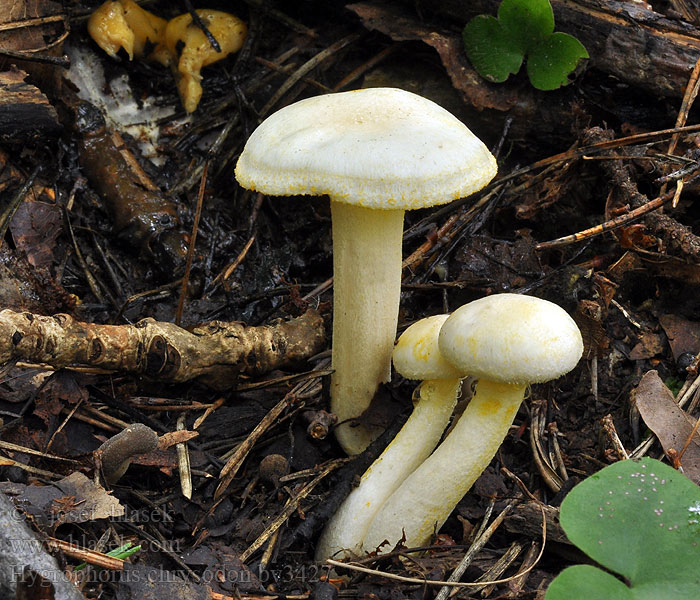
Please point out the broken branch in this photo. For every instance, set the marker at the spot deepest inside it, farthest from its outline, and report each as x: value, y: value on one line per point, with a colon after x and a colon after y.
x: 216, y: 351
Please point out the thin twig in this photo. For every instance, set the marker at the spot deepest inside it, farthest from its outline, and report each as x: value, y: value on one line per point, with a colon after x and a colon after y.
x: 497, y: 569
x: 9, y: 212
x: 89, y: 556
x: 197, y: 20
x: 306, y: 67
x: 610, y: 225
x: 476, y: 547
x: 193, y: 240
x: 290, y: 506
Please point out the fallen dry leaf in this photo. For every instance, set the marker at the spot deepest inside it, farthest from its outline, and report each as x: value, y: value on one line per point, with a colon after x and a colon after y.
x: 668, y: 421
x: 683, y: 335
x: 649, y: 345
x: 169, y: 439
x: 450, y: 48
x: 88, y: 501
x: 35, y: 228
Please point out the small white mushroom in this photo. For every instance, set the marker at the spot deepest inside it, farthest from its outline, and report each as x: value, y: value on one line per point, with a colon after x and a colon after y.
x: 508, y: 342
x: 376, y: 152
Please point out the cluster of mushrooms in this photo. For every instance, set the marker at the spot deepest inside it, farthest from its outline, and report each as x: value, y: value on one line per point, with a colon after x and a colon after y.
x: 378, y: 152
x: 506, y: 341
x: 179, y: 43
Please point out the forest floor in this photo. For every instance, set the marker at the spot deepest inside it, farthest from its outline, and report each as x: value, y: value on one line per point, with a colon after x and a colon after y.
x: 76, y: 241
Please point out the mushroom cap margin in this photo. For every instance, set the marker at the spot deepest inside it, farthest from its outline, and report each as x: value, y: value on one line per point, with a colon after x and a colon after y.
x: 381, y: 148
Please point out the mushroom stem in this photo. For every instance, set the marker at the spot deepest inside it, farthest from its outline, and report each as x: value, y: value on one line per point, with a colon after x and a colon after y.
x: 422, y: 503
x: 366, y: 289
x: 416, y: 440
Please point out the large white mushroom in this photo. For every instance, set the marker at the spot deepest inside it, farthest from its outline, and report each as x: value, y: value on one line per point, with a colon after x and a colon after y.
x: 508, y: 342
x: 416, y: 356
x: 376, y: 153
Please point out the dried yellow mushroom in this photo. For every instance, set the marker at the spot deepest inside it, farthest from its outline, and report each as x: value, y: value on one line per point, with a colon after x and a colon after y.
x: 190, y: 49
x: 179, y: 44
x: 124, y: 24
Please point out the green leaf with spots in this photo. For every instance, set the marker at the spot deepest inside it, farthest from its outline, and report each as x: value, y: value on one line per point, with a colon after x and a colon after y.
x: 551, y: 62
x: 584, y: 581
x: 497, y: 47
x: 639, y: 520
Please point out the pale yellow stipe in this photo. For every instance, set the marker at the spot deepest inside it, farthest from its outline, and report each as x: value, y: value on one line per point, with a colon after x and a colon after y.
x: 418, y: 437
x: 422, y: 503
x: 366, y: 290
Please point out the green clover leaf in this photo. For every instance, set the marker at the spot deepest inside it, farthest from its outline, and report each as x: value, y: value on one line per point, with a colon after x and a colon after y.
x: 498, y: 59
x: 524, y: 28
x: 527, y: 22
x: 551, y: 61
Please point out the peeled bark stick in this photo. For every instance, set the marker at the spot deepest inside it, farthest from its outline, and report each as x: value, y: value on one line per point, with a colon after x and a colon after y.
x: 216, y: 351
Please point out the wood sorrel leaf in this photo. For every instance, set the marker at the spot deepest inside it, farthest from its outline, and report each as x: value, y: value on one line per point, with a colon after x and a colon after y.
x: 496, y: 47
x: 640, y: 520
x: 490, y: 49
x: 551, y: 62
x: 527, y: 22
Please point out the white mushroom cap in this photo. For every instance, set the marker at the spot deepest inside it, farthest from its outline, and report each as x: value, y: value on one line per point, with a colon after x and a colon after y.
x: 510, y: 338
x: 416, y: 354
x: 380, y: 148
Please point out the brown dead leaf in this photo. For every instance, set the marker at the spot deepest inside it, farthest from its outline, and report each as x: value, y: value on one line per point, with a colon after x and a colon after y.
x: 634, y: 236
x: 22, y: 287
x: 683, y: 335
x: 545, y: 192
x: 35, y: 27
x: 673, y: 268
x: 73, y: 499
x: 450, y: 47
x: 93, y: 501
x: 589, y: 318
x: 503, y: 264
x: 668, y: 421
x: 35, y: 228
x: 649, y: 345
x: 628, y: 263
x: 166, y: 460
x: 60, y: 389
